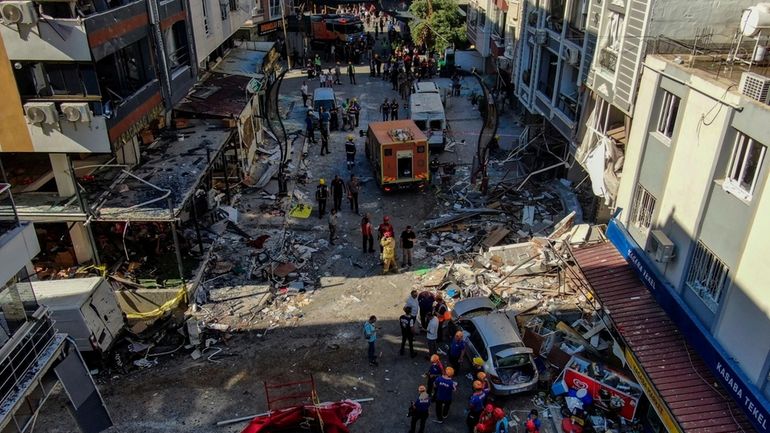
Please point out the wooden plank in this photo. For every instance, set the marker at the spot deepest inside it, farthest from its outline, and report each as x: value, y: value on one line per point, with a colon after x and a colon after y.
x: 495, y: 237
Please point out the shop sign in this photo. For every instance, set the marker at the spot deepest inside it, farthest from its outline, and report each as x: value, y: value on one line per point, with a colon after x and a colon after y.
x: 268, y: 27
x: 743, y: 392
x: 652, y: 394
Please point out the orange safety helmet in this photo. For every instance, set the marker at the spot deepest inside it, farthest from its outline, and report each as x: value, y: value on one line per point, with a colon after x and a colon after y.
x: 449, y: 371
x: 434, y: 358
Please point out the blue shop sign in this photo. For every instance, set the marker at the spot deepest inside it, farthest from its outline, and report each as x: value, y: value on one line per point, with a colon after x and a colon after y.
x: 745, y: 394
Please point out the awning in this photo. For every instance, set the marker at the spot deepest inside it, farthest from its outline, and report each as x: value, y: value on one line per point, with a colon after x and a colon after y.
x: 675, y: 379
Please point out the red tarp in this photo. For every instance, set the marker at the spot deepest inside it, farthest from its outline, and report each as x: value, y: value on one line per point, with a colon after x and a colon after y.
x: 335, y: 416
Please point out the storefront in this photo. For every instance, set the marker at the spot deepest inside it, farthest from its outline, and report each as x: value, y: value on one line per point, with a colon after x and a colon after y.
x: 673, y: 358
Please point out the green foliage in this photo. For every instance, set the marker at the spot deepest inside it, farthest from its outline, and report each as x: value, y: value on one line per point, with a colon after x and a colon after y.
x: 445, y: 26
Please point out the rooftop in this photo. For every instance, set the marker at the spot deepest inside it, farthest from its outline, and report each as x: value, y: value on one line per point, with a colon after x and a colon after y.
x: 219, y: 95
x: 715, y: 67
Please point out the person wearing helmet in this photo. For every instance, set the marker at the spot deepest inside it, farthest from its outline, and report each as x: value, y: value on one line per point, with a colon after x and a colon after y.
x: 501, y: 425
x: 482, y: 377
x: 350, y: 151
x: 321, y: 194
x: 475, y: 406
x: 310, y: 126
x: 384, y: 228
x: 420, y: 409
x: 486, y: 420
x: 532, y: 424
x: 355, y: 110
x: 435, y: 371
x: 388, y: 245
x: 445, y: 388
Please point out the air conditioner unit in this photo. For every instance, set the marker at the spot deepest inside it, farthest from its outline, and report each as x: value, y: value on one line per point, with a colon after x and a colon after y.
x: 755, y: 86
x: 660, y: 247
x: 541, y: 36
x: 573, y: 56
x: 76, y: 112
x: 41, y: 112
x: 18, y: 12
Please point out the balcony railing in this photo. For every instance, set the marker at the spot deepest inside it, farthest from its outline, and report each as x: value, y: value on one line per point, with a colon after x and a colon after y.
x: 608, y: 59
x: 8, y: 220
x: 21, y: 357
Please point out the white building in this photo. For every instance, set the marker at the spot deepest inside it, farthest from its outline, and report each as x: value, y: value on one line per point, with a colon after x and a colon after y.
x: 214, y: 22
x: 696, y: 197
x: 626, y: 31
x: 555, y: 54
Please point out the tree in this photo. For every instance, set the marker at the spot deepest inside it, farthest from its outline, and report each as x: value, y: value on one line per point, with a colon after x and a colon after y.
x: 445, y: 26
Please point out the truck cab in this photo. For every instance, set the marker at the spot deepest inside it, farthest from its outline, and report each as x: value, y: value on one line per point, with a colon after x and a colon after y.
x: 336, y: 29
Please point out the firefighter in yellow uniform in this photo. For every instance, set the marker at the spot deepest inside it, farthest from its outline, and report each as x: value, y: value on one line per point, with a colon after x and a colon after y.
x: 388, y: 253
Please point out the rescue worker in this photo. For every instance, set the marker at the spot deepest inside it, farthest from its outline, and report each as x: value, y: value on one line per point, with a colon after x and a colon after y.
x: 310, y: 126
x: 394, y: 109
x: 321, y: 194
x: 501, y: 426
x: 475, y: 406
x: 388, y: 253
x: 420, y: 410
x: 355, y: 110
x: 440, y: 310
x: 486, y: 420
x: 407, y: 322
x: 482, y: 377
x: 435, y: 371
x: 350, y: 151
x: 385, y: 110
x: 532, y: 424
x: 384, y: 228
x: 425, y: 300
x: 445, y: 388
x: 338, y: 189
x: 457, y: 350
x: 366, y: 234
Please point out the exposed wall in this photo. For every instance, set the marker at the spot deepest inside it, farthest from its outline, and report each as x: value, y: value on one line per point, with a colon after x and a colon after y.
x: 13, y: 133
x: 681, y: 19
x: 219, y: 30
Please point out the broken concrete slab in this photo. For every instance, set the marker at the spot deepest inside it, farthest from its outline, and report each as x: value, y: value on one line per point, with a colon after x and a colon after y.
x: 230, y: 293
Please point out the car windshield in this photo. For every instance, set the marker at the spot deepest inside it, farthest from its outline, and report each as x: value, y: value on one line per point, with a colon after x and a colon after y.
x: 435, y: 125
x: 505, y: 356
x: 326, y: 103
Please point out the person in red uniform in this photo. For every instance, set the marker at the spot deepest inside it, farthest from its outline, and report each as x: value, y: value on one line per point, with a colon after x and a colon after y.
x: 487, y: 420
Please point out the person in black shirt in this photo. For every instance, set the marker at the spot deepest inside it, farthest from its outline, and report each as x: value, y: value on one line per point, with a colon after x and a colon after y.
x: 407, y: 322
x: 407, y: 243
x: 338, y: 189
x: 321, y: 194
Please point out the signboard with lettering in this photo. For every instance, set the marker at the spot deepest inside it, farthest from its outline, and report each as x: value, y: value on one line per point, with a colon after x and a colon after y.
x: 746, y: 395
x: 268, y: 27
x: 652, y: 393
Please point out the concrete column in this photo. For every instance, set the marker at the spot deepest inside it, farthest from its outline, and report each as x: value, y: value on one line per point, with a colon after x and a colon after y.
x: 61, y: 172
x: 81, y: 243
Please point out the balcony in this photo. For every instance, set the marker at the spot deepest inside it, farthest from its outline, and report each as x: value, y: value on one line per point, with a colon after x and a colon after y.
x: 18, y: 242
x: 608, y: 59
x: 55, y: 40
x: 87, y: 136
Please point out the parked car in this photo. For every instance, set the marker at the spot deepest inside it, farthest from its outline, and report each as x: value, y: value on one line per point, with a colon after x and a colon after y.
x: 324, y: 97
x: 493, y: 336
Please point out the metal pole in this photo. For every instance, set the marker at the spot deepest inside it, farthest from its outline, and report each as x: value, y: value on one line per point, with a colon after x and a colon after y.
x: 224, y: 168
x: 82, y: 203
x: 195, y: 222
x: 177, y: 248
x: 285, y: 35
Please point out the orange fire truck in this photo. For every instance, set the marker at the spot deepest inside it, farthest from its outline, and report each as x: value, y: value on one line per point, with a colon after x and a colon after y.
x: 334, y: 29
x: 398, y: 152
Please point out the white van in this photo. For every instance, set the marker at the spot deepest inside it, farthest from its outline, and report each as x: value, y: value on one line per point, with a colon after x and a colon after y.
x: 427, y: 111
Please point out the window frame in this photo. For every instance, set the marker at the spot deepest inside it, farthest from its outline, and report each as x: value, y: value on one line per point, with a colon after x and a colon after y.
x: 739, y: 163
x: 643, y: 208
x: 669, y: 111
x: 615, y: 28
x: 274, y: 6
x: 704, y: 264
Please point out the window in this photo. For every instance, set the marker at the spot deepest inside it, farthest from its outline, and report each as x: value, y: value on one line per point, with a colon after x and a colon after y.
x: 578, y: 14
x: 614, y: 31
x: 233, y: 5
x: 668, y: 112
x: 744, y: 167
x: 642, y: 208
x: 707, y: 276
x: 275, y: 9
x: 206, y: 28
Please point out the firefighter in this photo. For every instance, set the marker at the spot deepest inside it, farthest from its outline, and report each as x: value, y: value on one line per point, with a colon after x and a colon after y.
x: 321, y: 194
x: 350, y: 151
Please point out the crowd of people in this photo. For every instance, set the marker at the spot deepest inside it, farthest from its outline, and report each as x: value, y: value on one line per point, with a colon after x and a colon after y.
x: 438, y: 385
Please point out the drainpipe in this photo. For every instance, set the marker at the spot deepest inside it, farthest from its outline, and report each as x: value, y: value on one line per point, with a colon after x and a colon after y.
x: 152, y: 9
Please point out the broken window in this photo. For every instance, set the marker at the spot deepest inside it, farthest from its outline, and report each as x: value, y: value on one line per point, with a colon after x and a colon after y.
x: 555, y: 20
x: 744, y: 167
x: 667, y: 119
x: 642, y: 208
x: 233, y: 5
x: 126, y: 71
x: 707, y: 276
x: 178, y: 49
x: 547, y: 80
x: 52, y: 79
x: 577, y: 16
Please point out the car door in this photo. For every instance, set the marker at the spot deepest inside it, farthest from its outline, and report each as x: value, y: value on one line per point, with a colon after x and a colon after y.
x: 469, y: 330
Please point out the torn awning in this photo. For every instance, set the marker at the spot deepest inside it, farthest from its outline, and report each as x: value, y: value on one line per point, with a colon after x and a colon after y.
x: 675, y: 379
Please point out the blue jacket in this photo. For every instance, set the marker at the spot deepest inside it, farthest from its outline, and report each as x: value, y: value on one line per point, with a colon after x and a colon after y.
x: 422, y: 406
x: 435, y: 370
x: 444, y: 388
x: 477, y: 402
x: 502, y: 425
x: 456, y: 348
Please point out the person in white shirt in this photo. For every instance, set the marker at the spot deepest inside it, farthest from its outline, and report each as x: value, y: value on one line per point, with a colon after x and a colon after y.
x: 411, y: 301
x: 432, y: 333
x: 305, y: 94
